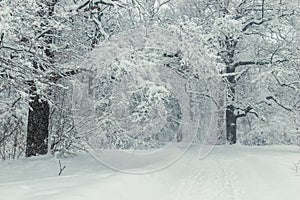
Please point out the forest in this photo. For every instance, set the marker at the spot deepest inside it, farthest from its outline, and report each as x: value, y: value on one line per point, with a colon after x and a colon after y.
x: 203, y: 95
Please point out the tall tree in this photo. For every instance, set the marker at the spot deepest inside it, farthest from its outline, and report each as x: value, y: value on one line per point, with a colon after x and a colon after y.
x: 245, y: 36
x: 39, y: 47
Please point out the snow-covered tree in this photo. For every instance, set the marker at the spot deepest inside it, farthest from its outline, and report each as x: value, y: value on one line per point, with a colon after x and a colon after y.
x: 253, y: 40
x: 150, y: 87
x: 41, y: 40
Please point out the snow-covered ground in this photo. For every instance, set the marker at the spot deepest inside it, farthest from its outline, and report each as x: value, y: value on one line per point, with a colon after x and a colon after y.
x: 227, y: 173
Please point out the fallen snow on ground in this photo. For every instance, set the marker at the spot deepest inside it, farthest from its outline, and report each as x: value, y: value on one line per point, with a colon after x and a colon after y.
x: 227, y: 173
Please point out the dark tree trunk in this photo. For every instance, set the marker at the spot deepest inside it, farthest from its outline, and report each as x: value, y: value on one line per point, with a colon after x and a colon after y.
x: 37, y: 129
x: 231, y: 117
x: 228, y: 44
x: 38, y: 117
x: 230, y: 125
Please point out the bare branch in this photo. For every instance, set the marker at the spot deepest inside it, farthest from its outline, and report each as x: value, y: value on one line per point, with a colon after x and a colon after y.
x: 250, y: 24
x: 246, y: 111
x: 278, y: 103
x: 243, y: 63
x: 283, y: 84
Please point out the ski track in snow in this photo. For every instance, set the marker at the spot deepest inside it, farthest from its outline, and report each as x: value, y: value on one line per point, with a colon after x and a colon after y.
x: 228, y: 173
x: 211, y: 179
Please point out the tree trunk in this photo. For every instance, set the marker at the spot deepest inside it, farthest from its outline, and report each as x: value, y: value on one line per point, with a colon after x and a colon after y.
x: 231, y: 117
x: 38, y: 117
x: 230, y: 125
x: 37, y: 129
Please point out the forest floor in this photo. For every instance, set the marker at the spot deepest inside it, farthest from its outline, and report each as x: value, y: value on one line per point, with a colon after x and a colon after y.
x: 227, y: 173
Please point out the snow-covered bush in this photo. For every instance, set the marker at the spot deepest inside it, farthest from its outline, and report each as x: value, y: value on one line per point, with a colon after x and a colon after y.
x: 13, y: 118
x: 64, y: 139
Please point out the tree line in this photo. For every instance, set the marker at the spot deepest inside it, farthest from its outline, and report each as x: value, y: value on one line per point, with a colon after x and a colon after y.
x: 254, y: 42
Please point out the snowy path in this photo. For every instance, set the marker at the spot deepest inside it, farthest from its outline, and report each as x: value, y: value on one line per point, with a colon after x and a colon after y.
x: 228, y: 173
